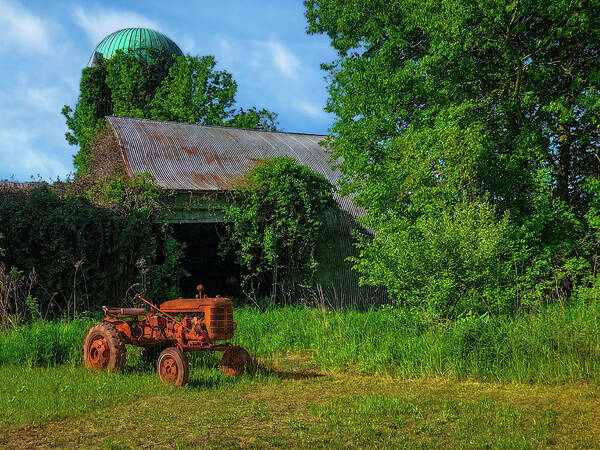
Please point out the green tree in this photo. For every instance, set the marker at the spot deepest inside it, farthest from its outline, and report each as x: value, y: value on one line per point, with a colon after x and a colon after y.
x: 194, y: 92
x: 183, y: 89
x: 88, y: 117
x: 446, y: 105
x: 133, y: 83
x: 274, y: 223
x: 254, y: 119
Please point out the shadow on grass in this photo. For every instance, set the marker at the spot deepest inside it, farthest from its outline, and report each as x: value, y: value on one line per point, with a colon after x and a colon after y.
x: 205, y: 372
x: 209, y: 376
x: 257, y: 367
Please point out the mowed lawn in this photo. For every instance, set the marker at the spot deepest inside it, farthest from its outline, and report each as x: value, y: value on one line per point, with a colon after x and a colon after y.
x: 290, y: 404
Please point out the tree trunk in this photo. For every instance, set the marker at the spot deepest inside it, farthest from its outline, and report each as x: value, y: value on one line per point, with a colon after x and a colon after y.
x: 564, y: 163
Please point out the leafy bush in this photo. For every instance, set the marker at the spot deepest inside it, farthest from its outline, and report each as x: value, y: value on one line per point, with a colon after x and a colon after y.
x: 447, y: 263
x: 123, y: 193
x: 84, y: 255
x: 274, y: 223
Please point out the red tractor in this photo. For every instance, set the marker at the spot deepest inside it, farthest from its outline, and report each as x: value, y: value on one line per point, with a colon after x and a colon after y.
x: 173, y: 328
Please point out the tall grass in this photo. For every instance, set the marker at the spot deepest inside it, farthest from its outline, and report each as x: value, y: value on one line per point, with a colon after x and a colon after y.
x: 44, y: 343
x: 558, y: 344
x: 554, y: 345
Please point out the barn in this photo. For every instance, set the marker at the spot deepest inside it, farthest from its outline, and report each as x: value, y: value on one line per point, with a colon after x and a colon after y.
x: 199, y: 164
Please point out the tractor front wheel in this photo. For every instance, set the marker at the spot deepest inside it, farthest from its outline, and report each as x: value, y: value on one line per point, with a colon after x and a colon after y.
x: 104, y: 349
x: 172, y: 366
x: 235, y: 361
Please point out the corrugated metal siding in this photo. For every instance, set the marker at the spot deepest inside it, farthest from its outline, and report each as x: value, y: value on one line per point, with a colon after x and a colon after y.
x: 196, y: 157
x: 205, y: 158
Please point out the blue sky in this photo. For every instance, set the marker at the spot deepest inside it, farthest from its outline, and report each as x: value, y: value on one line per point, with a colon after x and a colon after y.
x: 44, y: 45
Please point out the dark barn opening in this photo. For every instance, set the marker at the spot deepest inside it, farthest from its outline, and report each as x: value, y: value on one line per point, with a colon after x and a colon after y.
x: 203, y: 262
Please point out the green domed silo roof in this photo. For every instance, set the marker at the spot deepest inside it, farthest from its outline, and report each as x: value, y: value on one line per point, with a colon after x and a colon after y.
x: 134, y: 40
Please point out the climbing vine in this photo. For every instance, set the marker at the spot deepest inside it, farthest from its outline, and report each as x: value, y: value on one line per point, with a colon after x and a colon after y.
x: 274, y: 224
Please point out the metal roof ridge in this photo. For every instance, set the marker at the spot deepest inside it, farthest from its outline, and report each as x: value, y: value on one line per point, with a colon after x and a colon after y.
x: 217, y: 126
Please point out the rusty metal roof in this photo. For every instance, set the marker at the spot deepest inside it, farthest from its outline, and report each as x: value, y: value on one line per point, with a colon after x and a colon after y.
x: 208, y: 158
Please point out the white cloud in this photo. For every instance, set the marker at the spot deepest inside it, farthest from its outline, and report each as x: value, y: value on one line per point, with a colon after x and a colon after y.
x: 44, y: 100
x: 283, y: 59
x: 32, y: 135
x: 100, y: 22
x: 226, y: 51
x: 310, y: 109
x: 23, y: 157
x: 22, y: 30
x: 268, y: 59
x: 256, y: 64
x: 186, y: 43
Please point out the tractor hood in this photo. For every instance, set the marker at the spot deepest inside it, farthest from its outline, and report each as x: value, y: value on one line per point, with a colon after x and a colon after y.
x: 192, y: 305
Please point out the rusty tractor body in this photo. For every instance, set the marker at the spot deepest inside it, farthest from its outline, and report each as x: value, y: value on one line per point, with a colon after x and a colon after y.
x: 173, y: 328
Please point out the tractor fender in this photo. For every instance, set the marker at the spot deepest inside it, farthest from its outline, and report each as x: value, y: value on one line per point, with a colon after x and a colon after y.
x: 123, y: 328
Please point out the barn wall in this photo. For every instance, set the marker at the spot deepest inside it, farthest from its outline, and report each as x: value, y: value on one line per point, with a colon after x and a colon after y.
x: 338, y: 283
x: 196, y: 207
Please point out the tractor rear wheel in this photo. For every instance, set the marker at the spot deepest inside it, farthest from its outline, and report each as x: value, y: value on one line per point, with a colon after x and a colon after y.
x: 172, y: 366
x: 103, y: 348
x: 235, y: 361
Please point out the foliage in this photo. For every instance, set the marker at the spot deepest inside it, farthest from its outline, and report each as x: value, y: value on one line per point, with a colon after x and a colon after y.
x: 447, y: 263
x: 592, y: 186
x: 193, y: 92
x: 254, y: 119
x: 446, y: 106
x: 275, y: 221
x: 88, y: 117
x: 183, y: 89
x: 16, y: 301
x: 133, y: 83
x: 164, y: 277
x: 126, y: 194
x: 85, y: 255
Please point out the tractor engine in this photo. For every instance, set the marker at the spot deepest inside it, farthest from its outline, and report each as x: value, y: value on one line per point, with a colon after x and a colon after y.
x: 191, y: 323
x: 211, y: 315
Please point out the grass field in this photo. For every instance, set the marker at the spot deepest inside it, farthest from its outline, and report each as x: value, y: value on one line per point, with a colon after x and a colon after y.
x: 382, y: 378
x: 291, y: 403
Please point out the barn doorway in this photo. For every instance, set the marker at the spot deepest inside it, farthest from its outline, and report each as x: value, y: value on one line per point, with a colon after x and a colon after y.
x: 203, y: 262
